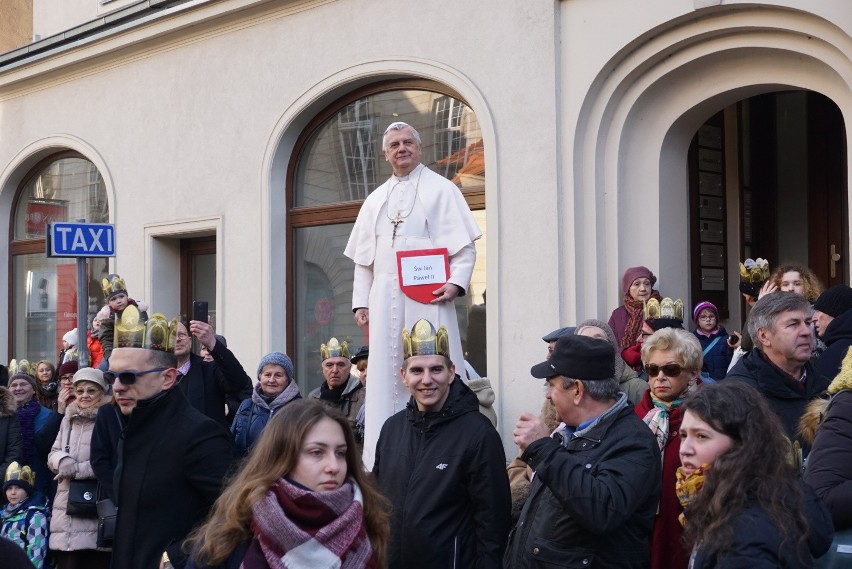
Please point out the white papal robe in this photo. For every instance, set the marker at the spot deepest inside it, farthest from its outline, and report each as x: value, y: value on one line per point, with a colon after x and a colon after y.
x: 439, y: 217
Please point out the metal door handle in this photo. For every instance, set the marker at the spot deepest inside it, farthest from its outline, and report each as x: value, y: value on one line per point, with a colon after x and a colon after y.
x: 834, y: 258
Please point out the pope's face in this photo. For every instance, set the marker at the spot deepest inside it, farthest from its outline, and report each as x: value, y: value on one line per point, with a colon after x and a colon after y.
x: 402, y: 151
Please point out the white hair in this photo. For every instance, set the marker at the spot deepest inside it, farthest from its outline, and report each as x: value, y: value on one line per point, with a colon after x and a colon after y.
x: 399, y: 125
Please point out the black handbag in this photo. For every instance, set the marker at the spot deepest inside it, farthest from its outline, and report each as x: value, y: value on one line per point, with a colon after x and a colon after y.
x: 107, y: 513
x: 82, y: 499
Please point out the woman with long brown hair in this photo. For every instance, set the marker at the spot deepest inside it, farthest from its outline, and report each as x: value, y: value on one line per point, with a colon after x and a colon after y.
x: 744, y: 503
x: 301, y: 496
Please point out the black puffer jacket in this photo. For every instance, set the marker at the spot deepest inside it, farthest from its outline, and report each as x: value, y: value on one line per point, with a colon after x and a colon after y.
x: 830, y: 462
x: 591, y: 504
x: 759, y: 545
x: 445, y: 474
x: 837, y: 338
x: 778, y: 388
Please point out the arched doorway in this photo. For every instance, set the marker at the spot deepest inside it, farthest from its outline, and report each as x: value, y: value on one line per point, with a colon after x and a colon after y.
x: 638, y: 121
x: 768, y: 178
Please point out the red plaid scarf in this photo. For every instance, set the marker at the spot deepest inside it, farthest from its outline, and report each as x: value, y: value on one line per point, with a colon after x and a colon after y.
x: 298, y: 528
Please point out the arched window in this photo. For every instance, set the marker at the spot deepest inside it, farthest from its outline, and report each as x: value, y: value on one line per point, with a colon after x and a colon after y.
x: 64, y: 187
x: 338, y: 161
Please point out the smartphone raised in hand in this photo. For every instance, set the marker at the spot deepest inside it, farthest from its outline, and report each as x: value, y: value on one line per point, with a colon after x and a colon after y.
x: 199, y: 311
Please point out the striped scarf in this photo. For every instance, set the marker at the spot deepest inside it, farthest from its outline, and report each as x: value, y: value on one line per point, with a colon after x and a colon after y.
x: 300, y: 529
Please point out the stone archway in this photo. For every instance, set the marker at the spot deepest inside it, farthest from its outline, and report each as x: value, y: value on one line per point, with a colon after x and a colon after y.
x: 638, y: 119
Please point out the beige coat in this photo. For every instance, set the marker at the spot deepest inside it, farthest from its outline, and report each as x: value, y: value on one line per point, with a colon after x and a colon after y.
x: 71, y: 533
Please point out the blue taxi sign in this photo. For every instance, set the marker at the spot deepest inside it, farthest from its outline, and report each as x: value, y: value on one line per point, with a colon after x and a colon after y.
x: 80, y: 240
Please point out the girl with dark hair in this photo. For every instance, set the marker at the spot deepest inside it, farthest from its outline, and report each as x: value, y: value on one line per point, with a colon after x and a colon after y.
x: 744, y: 504
x: 303, y: 481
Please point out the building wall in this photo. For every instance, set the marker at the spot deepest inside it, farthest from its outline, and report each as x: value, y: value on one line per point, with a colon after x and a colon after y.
x: 16, y: 24
x: 586, y: 109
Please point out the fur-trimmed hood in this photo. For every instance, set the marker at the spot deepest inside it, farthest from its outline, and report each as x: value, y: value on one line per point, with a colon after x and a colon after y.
x: 8, y: 407
x: 815, y: 412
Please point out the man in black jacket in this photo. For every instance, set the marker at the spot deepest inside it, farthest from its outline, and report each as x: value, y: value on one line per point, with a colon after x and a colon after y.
x: 593, y: 498
x: 208, y: 385
x: 833, y: 323
x: 171, y: 459
x: 778, y: 366
x: 442, y: 464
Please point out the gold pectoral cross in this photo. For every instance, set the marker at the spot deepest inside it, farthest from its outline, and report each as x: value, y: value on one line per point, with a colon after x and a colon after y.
x: 395, y: 222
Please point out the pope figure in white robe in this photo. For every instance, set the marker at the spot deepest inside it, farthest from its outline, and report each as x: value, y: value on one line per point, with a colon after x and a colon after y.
x: 415, y: 209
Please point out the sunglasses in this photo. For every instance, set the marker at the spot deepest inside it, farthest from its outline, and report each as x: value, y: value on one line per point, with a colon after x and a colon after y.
x: 669, y: 370
x: 129, y: 377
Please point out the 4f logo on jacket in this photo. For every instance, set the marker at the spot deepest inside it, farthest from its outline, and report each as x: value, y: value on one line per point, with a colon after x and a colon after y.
x: 442, y: 466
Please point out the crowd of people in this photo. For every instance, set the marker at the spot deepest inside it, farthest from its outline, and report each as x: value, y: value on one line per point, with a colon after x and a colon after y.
x: 656, y: 446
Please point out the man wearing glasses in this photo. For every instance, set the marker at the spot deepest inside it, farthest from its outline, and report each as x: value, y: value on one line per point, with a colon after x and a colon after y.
x: 591, y: 502
x: 170, y: 458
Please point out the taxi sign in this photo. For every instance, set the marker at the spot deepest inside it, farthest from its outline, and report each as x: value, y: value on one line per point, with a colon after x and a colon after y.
x: 80, y: 240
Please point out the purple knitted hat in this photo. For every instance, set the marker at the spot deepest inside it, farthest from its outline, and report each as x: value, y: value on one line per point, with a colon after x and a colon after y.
x: 634, y: 273
x: 701, y: 306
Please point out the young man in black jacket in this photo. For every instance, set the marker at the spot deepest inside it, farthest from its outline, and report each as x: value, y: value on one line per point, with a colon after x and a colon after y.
x: 442, y: 464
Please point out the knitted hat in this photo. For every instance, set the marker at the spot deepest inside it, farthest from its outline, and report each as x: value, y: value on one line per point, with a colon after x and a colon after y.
x: 701, y: 306
x: 71, y: 337
x: 835, y: 301
x: 279, y: 359
x: 558, y: 333
x: 578, y: 357
x: 68, y: 367
x: 91, y: 374
x: 634, y: 273
x: 30, y: 379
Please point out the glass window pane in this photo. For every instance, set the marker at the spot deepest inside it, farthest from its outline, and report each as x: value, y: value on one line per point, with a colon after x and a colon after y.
x: 323, y: 298
x: 343, y: 161
x: 45, y: 303
x: 66, y: 190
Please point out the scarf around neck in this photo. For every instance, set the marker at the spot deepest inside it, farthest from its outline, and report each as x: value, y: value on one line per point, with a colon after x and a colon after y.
x: 300, y: 529
x: 687, y: 487
x: 657, y: 419
x: 26, y: 417
x: 635, y: 316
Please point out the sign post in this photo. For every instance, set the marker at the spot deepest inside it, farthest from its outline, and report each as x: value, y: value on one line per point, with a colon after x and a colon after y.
x: 81, y: 240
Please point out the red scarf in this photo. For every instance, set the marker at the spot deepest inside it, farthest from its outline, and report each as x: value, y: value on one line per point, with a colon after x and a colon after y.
x: 298, y: 528
x: 635, y: 317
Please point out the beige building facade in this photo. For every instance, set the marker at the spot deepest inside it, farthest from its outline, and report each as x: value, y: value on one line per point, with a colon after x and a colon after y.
x: 230, y: 142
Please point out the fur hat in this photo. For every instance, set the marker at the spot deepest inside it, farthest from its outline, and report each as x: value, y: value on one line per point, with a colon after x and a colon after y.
x: 71, y: 337
x: 278, y: 359
x: 93, y: 375
x: 634, y: 273
x: 835, y: 301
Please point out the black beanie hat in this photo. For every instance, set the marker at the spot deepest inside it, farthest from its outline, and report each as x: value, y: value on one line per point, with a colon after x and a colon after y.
x: 835, y: 301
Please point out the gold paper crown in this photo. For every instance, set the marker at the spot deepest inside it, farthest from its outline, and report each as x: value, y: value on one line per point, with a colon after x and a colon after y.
x: 113, y: 284
x: 424, y: 341
x: 17, y: 472
x: 754, y: 270
x: 158, y: 334
x: 334, y: 349
x: 22, y: 366
x: 668, y: 308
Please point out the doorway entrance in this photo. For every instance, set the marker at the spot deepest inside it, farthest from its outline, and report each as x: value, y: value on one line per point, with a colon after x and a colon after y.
x: 768, y: 178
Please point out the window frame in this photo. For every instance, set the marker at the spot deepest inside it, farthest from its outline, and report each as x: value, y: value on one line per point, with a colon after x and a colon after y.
x: 342, y: 212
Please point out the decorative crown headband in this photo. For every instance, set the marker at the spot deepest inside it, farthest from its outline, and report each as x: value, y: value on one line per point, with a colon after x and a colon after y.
x: 22, y: 366
x: 157, y: 334
x: 667, y: 308
x: 113, y: 284
x: 753, y: 273
x: 18, y: 472
x: 334, y: 349
x: 423, y: 340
